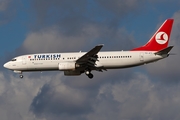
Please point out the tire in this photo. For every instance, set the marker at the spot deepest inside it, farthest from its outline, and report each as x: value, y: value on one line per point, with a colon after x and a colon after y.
x: 90, y: 76
x: 21, y: 76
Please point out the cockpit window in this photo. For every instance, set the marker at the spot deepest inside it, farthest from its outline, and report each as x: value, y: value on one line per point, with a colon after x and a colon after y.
x: 13, y: 60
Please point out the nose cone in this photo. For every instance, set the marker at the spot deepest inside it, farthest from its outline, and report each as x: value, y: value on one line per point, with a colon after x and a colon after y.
x: 6, y: 65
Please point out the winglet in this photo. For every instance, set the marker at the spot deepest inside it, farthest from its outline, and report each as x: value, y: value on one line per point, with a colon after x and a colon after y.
x: 164, y: 51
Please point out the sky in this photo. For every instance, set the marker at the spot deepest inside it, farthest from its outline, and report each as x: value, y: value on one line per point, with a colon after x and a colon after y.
x: 37, y: 26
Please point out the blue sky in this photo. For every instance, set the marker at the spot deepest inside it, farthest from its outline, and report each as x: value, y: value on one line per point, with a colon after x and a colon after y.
x: 32, y: 26
x: 14, y: 30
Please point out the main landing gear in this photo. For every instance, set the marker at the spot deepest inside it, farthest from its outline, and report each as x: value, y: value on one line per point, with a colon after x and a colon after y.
x: 89, y: 74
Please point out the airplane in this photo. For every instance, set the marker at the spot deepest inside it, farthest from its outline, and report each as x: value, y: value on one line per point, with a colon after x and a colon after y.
x: 76, y: 63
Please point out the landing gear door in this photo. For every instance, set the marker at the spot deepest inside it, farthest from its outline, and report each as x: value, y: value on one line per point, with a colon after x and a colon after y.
x: 141, y: 56
x: 24, y: 60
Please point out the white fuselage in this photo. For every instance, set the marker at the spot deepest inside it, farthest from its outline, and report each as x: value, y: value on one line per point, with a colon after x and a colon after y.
x: 107, y: 60
x: 85, y: 62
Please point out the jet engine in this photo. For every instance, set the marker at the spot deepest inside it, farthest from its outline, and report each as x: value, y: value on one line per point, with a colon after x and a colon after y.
x: 67, y: 66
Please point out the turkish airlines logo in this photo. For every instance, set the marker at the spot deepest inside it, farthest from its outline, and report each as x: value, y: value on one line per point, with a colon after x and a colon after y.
x: 161, y: 37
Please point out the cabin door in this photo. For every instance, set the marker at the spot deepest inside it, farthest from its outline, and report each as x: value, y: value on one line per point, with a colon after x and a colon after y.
x: 141, y: 57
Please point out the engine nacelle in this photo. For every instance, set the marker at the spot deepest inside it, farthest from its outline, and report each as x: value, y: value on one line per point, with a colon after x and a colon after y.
x: 67, y: 66
x: 72, y: 73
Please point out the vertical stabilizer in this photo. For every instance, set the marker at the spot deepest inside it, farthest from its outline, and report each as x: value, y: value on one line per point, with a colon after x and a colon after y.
x: 160, y: 39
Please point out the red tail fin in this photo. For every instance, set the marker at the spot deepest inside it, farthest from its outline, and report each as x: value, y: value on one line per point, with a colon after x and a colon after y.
x: 160, y: 39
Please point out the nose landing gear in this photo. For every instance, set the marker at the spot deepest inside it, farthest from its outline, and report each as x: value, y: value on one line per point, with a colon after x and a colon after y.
x: 19, y: 72
x: 21, y: 76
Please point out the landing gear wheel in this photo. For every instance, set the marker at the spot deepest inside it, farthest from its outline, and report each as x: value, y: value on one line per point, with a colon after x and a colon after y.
x: 87, y: 72
x: 21, y: 76
x: 90, y: 76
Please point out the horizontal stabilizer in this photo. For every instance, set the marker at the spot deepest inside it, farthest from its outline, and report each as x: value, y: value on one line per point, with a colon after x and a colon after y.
x: 164, y: 51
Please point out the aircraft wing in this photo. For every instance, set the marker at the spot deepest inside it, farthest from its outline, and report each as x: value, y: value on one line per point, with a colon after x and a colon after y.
x: 90, y: 57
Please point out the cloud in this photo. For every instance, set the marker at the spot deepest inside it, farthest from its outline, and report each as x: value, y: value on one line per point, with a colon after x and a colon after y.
x: 136, y: 97
x: 64, y: 100
x: 16, y: 96
x: 52, y: 40
x: 121, y: 7
x: 7, y: 10
x: 68, y: 15
x: 139, y: 98
x: 61, y: 26
x: 4, y: 4
x: 71, y: 17
x: 51, y: 97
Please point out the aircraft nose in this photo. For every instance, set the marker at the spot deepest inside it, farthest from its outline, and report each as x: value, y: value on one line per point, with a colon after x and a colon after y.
x: 6, y: 65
